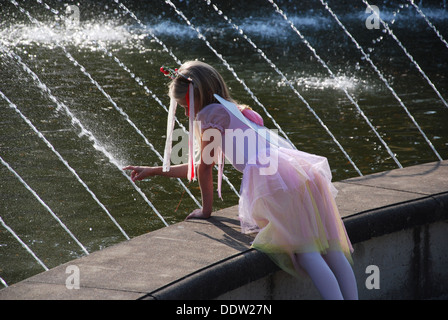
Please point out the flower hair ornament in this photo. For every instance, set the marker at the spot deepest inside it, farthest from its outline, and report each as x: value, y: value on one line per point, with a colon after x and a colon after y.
x: 173, y: 74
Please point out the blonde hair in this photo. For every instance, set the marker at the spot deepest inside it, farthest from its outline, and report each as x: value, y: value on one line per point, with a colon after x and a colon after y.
x: 207, y: 81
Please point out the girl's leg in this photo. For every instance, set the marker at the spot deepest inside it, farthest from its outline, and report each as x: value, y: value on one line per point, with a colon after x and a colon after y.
x: 343, y: 271
x: 321, y: 275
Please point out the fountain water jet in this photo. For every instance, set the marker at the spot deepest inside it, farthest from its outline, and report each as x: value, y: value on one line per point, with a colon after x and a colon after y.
x: 122, y: 6
x: 44, y: 205
x: 84, y: 131
x: 23, y: 244
x: 241, y: 32
x: 420, y: 12
x: 124, y: 42
x: 109, y: 98
x: 151, y: 93
x: 380, y: 75
x: 50, y: 146
x: 392, y: 34
x: 276, y: 7
x: 201, y: 36
x: 3, y: 282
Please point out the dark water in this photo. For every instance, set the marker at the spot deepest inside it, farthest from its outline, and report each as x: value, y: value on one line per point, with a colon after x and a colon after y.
x: 105, y: 23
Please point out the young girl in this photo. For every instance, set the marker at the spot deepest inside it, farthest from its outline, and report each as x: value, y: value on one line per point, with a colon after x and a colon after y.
x: 291, y: 206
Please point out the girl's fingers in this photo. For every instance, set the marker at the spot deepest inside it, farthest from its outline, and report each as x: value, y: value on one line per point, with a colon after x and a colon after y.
x: 134, y: 173
x: 138, y: 173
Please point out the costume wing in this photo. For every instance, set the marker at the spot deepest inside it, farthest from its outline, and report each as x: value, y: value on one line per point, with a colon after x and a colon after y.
x: 269, y: 135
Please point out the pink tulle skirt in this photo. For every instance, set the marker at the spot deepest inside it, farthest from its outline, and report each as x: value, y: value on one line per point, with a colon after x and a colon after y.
x: 292, y: 210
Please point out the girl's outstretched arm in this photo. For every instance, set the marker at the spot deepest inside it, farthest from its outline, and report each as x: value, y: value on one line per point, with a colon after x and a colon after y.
x: 139, y: 172
x: 205, y: 178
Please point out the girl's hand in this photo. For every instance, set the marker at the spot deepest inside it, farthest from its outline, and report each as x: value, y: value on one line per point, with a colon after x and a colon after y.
x: 198, y: 214
x: 139, y: 173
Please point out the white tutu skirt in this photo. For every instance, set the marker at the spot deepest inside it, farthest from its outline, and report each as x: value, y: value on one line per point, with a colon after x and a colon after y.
x: 292, y: 210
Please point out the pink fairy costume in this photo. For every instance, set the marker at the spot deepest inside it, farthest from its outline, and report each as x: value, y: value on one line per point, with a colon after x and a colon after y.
x: 286, y: 195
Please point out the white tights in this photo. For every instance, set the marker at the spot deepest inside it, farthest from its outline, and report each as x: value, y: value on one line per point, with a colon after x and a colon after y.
x: 331, y: 273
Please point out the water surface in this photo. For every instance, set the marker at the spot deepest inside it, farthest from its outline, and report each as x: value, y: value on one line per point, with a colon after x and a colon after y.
x: 104, y: 24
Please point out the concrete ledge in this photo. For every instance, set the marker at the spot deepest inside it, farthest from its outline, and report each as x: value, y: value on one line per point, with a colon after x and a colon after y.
x: 219, y: 278
x: 399, y: 213
x: 377, y: 222
x: 410, y: 264
x: 237, y: 271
